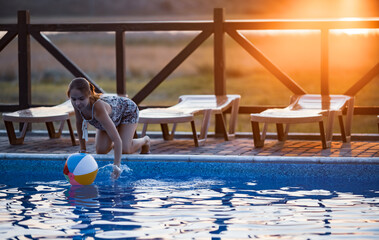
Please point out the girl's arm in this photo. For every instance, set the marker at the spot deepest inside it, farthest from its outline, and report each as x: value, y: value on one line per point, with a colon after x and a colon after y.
x: 79, y: 121
x: 102, y: 116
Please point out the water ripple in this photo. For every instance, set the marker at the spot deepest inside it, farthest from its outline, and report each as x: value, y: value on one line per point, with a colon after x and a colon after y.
x: 198, y: 207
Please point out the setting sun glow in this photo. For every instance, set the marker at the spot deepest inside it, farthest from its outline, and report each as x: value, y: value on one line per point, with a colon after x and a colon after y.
x: 356, y: 31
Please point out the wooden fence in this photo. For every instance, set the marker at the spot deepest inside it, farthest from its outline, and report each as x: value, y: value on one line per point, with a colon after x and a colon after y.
x: 219, y: 27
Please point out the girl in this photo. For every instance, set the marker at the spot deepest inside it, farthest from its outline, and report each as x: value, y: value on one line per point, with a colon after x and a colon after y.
x: 115, y: 119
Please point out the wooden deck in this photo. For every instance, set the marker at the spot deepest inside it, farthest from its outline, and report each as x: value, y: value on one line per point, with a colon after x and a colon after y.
x: 242, y: 145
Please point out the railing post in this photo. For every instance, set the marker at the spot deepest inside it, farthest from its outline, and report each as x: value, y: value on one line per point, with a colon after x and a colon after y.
x: 219, y: 61
x: 24, y: 96
x: 324, y: 61
x: 120, y: 62
x: 219, y: 51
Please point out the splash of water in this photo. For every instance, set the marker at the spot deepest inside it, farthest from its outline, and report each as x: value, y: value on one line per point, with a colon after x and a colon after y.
x: 108, y: 169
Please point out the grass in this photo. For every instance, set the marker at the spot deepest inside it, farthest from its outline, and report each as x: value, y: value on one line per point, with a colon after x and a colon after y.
x: 296, y: 54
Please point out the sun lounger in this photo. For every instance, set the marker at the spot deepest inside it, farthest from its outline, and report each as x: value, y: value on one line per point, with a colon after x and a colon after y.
x: 308, y: 108
x: 185, y: 111
x: 60, y: 113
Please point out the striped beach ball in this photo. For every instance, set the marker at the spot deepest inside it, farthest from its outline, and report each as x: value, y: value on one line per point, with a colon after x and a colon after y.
x: 80, y: 169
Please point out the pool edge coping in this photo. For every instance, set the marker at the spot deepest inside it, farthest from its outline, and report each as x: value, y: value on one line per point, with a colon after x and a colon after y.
x: 200, y: 158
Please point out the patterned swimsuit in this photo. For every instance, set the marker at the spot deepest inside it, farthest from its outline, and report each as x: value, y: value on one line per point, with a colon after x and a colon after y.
x: 124, y: 111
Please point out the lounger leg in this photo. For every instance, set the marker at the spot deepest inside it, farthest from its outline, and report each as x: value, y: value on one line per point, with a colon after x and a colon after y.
x: 234, y: 117
x: 73, y: 141
x: 342, y: 128
x: 264, y: 131
x: 13, y: 140
x: 166, y: 133
x: 322, y: 135
x: 256, y: 135
x: 205, y: 124
x: 51, y: 130
x: 219, y: 125
x: 223, y: 125
x: 194, y: 133
x: 280, y: 131
x: 349, y: 119
x: 286, y: 131
x: 144, y: 129
x: 173, y: 129
x: 329, y: 128
x: 61, y: 128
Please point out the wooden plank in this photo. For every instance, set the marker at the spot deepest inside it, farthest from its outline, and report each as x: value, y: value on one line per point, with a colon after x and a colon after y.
x: 201, y: 25
x: 63, y: 59
x: 219, y: 52
x: 299, y: 24
x: 171, y: 66
x: 219, y: 61
x: 24, y: 77
x: 127, y: 27
x: 324, y: 61
x: 262, y: 59
x: 9, y: 27
x: 7, y: 38
x: 120, y: 62
x: 353, y: 90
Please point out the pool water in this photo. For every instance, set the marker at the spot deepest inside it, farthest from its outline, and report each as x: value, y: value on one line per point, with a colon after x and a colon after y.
x: 191, y: 200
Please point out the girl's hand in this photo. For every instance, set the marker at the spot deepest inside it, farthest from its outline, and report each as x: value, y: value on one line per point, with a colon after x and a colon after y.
x: 116, y: 172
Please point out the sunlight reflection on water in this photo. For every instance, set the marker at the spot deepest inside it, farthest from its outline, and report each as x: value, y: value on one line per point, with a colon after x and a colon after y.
x: 151, y: 202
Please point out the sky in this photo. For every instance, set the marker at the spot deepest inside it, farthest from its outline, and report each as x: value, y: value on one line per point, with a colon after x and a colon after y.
x: 194, y: 8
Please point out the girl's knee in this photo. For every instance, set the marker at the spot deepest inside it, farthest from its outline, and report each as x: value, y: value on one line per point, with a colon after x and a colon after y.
x: 102, y: 150
x: 127, y: 150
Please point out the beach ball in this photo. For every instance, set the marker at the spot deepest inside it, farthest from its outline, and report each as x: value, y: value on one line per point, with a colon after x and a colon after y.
x: 80, y: 169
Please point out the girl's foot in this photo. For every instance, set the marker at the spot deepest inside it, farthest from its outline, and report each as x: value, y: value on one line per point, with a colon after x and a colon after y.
x: 146, y: 147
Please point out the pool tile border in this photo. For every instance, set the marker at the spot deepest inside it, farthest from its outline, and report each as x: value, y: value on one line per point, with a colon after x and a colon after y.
x: 201, y: 158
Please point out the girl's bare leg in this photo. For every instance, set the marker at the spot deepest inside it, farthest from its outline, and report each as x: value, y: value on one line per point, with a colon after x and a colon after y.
x: 102, y: 142
x: 130, y: 145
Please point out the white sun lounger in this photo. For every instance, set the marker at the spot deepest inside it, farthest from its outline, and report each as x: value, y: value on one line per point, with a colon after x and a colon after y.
x: 308, y: 108
x: 60, y: 113
x: 185, y: 111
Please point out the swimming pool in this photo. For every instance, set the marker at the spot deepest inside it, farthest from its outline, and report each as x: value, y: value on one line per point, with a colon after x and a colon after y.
x: 199, y: 200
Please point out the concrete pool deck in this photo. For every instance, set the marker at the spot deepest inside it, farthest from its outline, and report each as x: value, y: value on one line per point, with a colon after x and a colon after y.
x: 37, y: 144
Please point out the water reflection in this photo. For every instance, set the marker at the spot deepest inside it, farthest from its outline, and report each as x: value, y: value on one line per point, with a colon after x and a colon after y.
x: 83, y: 196
x: 150, y: 202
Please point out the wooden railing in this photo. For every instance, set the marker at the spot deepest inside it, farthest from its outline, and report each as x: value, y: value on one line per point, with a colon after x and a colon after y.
x: 219, y: 27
